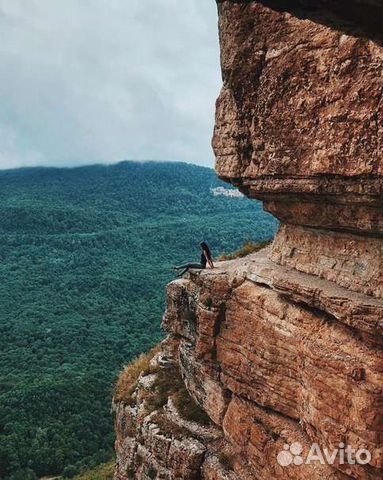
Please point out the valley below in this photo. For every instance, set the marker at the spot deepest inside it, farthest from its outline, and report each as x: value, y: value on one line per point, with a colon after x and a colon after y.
x: 85, y: 255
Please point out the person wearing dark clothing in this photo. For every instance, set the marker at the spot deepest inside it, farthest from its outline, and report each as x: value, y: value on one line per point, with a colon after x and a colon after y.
x: 206, y: 258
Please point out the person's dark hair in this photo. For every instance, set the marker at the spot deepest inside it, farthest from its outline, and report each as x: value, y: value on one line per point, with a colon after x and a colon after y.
x: 206, y: 249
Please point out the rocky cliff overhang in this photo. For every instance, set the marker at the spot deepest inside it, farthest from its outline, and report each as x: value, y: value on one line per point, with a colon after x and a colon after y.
x: 283, y: 348
x: 361, y: 16
x: 300, y: 115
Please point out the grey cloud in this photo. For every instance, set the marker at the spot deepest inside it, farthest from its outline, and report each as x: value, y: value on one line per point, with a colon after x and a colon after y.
x: 85, y: 81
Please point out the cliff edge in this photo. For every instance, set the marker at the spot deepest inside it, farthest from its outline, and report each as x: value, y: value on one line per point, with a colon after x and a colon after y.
x: 273, y: 368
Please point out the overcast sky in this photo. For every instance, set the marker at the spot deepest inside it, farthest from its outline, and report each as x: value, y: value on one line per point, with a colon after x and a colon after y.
x: 88, y: 81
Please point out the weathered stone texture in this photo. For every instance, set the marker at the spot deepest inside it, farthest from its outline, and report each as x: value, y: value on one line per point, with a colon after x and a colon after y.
x: 289, y: 359
x: 285, y: 345
x: 350, y: 261
x: 299, y: 99
x: 155, y: 441
x: 269, y: 371
x: 300, y: 114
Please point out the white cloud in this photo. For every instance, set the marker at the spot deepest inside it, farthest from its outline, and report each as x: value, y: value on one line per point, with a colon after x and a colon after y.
x: 85, y: 81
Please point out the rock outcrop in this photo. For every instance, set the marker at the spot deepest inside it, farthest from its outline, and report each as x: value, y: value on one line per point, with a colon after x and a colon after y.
x: 282, y: 349
x: 300, y: 116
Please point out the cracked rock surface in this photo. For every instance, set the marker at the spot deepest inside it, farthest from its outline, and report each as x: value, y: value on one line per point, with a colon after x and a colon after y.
x: 284, y: 346
x: 300, y: 116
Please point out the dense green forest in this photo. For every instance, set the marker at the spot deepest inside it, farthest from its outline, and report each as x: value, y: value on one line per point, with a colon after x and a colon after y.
x: 85, y: 255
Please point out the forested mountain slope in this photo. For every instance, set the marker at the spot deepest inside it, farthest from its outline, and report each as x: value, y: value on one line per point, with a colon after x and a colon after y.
x: 85, y: 255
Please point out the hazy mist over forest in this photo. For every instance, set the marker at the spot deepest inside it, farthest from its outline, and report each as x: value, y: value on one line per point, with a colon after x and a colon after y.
x: 92, y: 81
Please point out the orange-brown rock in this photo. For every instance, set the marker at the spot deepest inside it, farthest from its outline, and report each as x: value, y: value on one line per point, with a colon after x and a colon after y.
x: 351, y: 261
x: 259, y: 442
x: 282, y: 349
x: 299, y: 125
x: 269, y: 372
x: 291, y: 359
x: 300, y: 115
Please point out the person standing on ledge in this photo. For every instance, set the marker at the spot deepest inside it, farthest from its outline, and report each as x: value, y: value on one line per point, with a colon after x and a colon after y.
x: 206, y: 258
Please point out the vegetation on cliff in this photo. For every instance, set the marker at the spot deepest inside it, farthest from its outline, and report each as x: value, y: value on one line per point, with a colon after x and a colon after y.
x: 246, y: 249
x: 168, y: 383
x: 128, y: 379
x: 84, y: 257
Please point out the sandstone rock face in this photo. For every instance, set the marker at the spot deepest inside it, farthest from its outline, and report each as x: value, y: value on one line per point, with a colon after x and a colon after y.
x: 301, y: 112
x: 269, y: 371
x: 282, y: 349
x: 299, y: 99
x: 288, y: 372
x: 351, y: 261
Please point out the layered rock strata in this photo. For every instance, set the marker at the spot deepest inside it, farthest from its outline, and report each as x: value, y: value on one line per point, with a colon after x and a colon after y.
x: 283, y: 349
x: 300, y: 117
x: 269, y: 370
x: 286, y: 365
